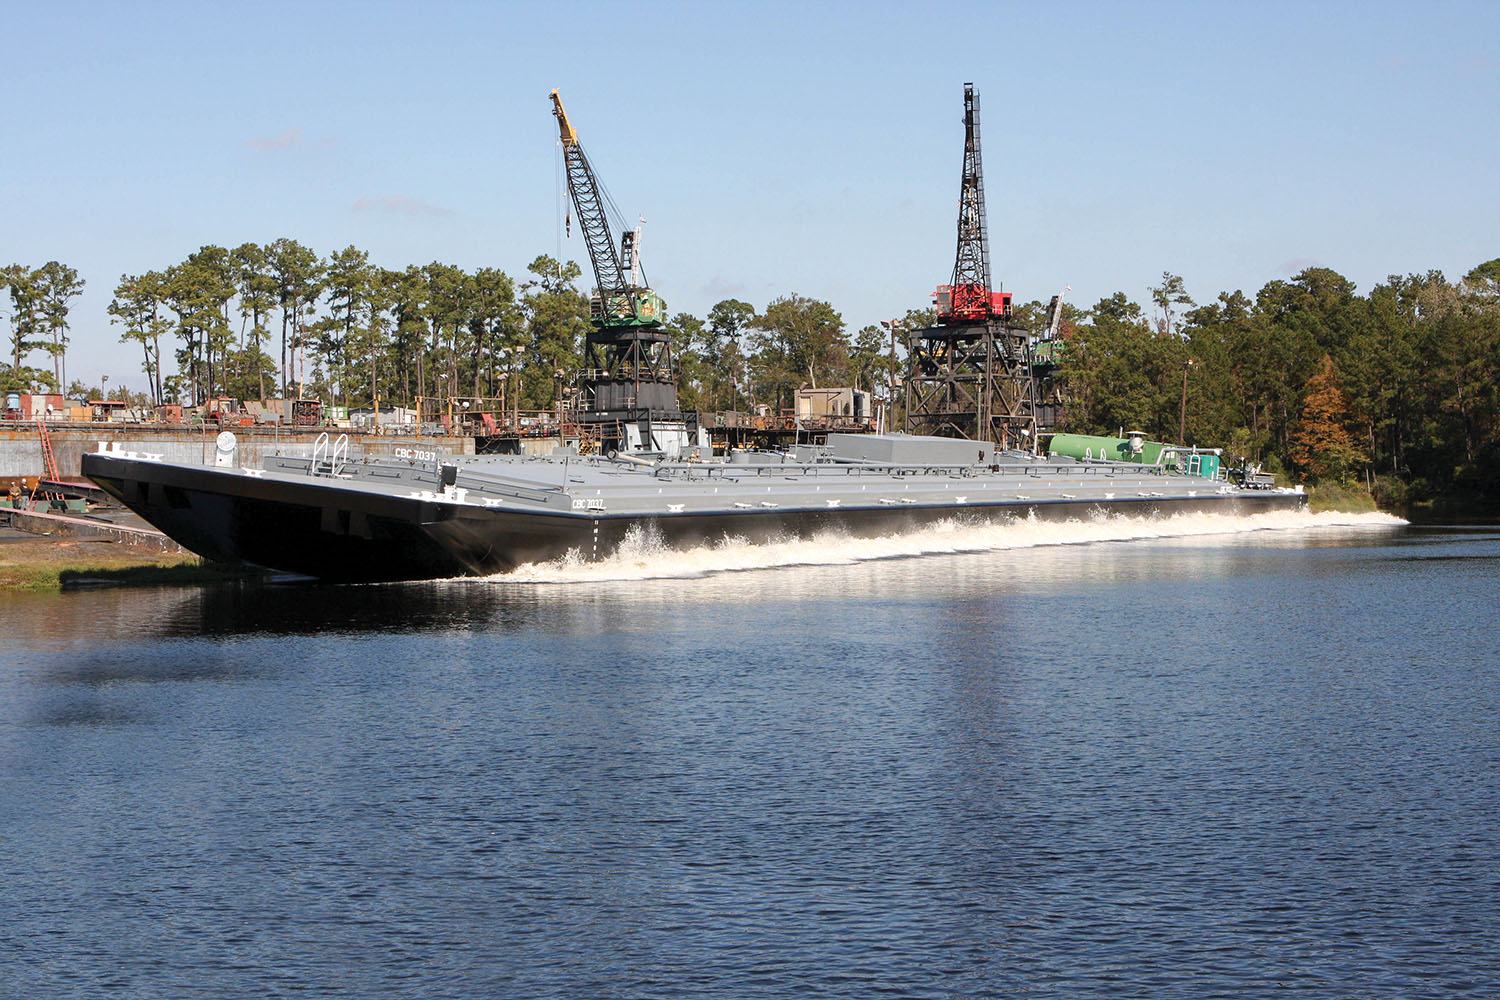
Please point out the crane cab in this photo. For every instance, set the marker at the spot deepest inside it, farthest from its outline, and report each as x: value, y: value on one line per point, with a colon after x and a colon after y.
x: 641, y: 307
x: 970, y: 303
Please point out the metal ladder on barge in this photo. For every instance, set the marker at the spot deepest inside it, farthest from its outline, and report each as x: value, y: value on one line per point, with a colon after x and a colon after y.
x: 49, y: 467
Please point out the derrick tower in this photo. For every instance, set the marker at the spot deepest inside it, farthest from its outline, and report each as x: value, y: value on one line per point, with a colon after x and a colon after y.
x: 969, y: 375
x: 628, y: 376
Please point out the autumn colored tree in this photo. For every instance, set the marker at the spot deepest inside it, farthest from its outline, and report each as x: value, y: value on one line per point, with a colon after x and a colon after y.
x: 1322, y: 444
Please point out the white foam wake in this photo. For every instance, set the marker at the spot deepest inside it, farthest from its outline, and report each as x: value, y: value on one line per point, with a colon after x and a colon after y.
x: 645, y: 557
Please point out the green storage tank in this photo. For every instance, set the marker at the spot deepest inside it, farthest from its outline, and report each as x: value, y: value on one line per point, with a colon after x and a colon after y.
x: 1135, y: 448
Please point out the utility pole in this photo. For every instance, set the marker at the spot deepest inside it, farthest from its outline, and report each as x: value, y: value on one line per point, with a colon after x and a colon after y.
x: 1182, y: 418
x: 734, y: 371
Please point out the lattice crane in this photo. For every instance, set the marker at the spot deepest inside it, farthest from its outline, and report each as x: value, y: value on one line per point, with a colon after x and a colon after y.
x: 628, y: 375
x: 969, y: 375
x: 968, y: 299
x: 621, y: 297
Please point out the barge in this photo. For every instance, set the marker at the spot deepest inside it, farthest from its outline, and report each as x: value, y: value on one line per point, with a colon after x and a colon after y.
x: 427, y: 515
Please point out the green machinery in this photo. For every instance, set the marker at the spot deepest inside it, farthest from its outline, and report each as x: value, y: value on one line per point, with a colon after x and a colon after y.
x: 1135, y: 448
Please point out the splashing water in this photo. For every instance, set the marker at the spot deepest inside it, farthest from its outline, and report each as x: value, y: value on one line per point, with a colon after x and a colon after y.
x: 644, y: 556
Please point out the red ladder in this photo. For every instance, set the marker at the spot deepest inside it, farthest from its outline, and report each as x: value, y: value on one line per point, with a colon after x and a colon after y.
x: 49, y: 465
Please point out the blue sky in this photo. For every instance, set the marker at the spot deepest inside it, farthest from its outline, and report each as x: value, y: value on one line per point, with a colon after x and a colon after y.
x: 771, y: 147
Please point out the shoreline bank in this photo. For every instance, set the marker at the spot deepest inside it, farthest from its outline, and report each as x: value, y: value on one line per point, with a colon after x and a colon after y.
x: 44, y: 564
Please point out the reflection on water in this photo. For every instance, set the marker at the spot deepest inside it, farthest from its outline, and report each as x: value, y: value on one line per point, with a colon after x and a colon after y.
x: 86, y: 711
x: 568, y: 596
x: 1228, y: 762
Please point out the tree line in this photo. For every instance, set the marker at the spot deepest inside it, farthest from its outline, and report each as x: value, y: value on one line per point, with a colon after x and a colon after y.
x: 39, y: 299
x: 257, y: 321
x: 1398, y: 388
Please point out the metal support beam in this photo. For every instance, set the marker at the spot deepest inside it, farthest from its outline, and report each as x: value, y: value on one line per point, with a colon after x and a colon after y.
x: 972, y: 382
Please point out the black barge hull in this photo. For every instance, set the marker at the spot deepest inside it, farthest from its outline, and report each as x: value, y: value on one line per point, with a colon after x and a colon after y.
x: 350, y: 535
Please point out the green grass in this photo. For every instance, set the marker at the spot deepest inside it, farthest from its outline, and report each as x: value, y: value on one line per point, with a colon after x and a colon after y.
x: 47, y: 565
x: 1345, y: 499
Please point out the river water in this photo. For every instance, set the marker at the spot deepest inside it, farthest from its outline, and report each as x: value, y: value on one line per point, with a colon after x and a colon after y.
x: 1205, y: 757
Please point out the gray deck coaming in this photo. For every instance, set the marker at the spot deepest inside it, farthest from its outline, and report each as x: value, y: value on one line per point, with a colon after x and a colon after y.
x: 297, y: 490
x: 644, y: 492
x: 637, y: 499
x: 425, y: 505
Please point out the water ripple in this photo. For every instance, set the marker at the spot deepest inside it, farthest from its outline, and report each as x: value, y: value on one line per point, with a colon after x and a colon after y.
x: 1209, y: 765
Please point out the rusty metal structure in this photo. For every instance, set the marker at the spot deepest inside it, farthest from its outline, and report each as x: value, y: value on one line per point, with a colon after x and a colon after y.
x: 970, y: 375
